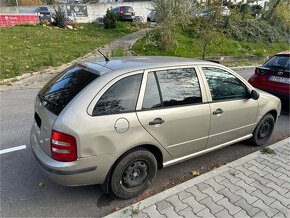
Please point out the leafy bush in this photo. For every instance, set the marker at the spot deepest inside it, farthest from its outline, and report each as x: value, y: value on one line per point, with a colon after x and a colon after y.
x: 110, y: 20
x: 59, y: 17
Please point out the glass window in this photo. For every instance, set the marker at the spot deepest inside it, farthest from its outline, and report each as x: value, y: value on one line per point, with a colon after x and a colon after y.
x: 279, y: 62
x: 56, y: 94
x: 120, y: 97
x: 179, y: 87
x: 152, y: 97
x: 224, y: 85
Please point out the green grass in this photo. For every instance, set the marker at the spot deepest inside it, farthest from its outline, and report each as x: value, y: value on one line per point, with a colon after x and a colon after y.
x: 187, y: 46
x: 25, y: 49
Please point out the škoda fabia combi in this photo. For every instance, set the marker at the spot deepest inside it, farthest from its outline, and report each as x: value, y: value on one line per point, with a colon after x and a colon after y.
x: 116, y: 122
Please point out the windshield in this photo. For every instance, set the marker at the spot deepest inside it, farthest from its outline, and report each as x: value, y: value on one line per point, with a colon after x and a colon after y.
x: 279, y: 62
x: 56, y: 94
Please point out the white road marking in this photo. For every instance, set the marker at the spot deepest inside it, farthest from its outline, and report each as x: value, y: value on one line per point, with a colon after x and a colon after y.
x: 4, y: 151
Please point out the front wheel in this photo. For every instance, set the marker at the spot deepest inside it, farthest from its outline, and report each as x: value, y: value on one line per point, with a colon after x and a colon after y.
x: 263, y: 130
x: 133, y: 173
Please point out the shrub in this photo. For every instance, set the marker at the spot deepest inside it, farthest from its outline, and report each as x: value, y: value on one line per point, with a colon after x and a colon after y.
x: 110, y: 20
x: 59, y: 17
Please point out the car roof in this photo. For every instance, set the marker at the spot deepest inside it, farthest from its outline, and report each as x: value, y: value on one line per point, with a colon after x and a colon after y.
x: 286, y: 53
x: 136, y: 63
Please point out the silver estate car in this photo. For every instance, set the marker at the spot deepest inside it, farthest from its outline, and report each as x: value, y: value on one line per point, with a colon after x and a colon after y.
x: 116, y: 122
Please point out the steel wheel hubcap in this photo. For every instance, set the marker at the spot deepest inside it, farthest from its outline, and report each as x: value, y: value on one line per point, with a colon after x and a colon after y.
x: 264, y: 130
x: 135, y: 174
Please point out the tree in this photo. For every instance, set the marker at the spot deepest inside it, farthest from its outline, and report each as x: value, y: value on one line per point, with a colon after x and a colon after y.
x: 273, y: 9
x: 59, y: 17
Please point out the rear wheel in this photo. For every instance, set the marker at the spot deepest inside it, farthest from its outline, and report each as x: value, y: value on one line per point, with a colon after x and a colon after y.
x: 263, y: 130
x: 133, y: 173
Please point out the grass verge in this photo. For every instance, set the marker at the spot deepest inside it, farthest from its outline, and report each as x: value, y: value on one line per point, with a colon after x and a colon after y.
x: 25, y: 49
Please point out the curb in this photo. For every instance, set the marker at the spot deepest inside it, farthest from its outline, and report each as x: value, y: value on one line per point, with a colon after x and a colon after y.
x: 183, y: 186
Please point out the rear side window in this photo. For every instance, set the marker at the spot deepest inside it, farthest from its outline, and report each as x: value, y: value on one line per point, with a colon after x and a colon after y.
x: 177, y: 87
x: 120, y: 97
x: 127, y: 9
x: 56, y: 94
x: 223, y: 85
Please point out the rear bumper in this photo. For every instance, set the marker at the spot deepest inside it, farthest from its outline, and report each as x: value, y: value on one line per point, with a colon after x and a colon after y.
x: 83, y: 171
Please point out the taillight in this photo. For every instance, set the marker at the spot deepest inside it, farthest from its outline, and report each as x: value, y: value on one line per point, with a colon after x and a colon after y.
x: 63, y: 146
x: 121, y: 11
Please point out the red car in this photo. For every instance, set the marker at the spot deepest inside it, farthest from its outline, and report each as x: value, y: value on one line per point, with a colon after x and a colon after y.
x: 274, y: 76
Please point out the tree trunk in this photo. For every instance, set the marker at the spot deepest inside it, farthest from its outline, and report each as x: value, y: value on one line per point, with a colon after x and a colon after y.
x: 273, y: 9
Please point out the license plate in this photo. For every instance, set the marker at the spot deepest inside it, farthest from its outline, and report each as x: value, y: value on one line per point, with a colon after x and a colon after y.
x: 279, y: 79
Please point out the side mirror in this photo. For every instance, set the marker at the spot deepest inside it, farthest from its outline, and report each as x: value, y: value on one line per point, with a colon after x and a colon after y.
x: 254, y: 95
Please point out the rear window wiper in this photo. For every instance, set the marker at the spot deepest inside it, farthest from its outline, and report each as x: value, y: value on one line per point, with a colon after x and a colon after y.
x: 41, y: 97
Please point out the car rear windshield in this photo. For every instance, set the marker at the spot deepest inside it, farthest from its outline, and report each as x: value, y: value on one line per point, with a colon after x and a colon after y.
x: 279, y: 62
x: 127, y: 9
x: 57, y: 93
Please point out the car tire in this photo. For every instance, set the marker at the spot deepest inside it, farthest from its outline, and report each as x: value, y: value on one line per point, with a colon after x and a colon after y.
x: 133, y: 173
x: 263, y: 130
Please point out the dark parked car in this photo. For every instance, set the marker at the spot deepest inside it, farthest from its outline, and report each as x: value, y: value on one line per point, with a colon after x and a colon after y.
x: 44, y: 14
x: 124, y: 13
x: 274, y: 76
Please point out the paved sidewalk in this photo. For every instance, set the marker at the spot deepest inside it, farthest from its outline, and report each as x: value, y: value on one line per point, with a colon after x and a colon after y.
x: 257, y: 185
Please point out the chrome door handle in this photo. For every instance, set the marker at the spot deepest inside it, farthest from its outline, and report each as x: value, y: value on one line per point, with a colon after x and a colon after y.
x: 218, y: 111
x: 156, y: 121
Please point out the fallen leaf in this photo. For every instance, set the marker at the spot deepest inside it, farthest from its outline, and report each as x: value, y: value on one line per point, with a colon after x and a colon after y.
x: 41, y: 184
x: 195, y: 173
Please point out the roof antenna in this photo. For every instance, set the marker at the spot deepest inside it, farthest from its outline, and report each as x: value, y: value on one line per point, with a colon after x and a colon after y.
x: 106, y: 58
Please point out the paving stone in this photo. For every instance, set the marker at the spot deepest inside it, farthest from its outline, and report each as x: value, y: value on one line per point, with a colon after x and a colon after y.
x: 277, y: 188
x: 248, y: 165
x: 261, y: 214
x: 202, y: 186
x: 272, y: 166
x: 232, y: 209
x: 205, y: 213
x: 216, y: 186
x: 139, y: 214
x: 273, y: 172
x: 170, y: 212
x: 246, y: 186
x: 285, y: 177
x: 177, y: 203
x: 197, y: 194
x: 241, y: 168
x: 245, y: 195
x: 262, y: 187
x: 283, y: 160
x: 187, y: 212
x: 267, y: 200
x: 233, y: 188
x: 268, y: 210
x: 251, y: 210
x: 281, y: 208
x: 241, y: 214
x: 274, y: 179
x: 153, y: 212
x: 230, y: 177
x: 280, y: 215
x: 285, y: 201
x: 213, y: 194
x: 219, y: 178
x: 194, y: 204
x: 260, y: 165
x: 259, y: 159
x: 245, y: 178
x: 222, y: 214
x: 286, y: 185
x: 260, y: 179
x: 162, y: 204
x: 183, y: 194
x: 278, y: 162
x: 209, y: 203
x: 258, y: 170
x: 232, y: 197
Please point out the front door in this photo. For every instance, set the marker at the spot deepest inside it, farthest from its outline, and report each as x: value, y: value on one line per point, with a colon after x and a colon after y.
x: 173, y: 111
x: 233, y: 113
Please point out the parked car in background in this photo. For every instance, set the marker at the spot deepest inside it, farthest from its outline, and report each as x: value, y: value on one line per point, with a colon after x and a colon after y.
x: 151, y: 17
x: 124, y: 13
x: 115, y: 122
x: 44, y: 14
x: 274, y: 76
x: 68, y: 21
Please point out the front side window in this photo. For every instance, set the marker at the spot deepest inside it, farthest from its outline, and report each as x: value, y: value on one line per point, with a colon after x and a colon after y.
x: 177, y: 87
x: 224, y: 85
x: 120, y: 97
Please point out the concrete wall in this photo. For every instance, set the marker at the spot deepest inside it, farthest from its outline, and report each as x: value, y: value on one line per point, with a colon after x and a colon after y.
x: 94, y: 10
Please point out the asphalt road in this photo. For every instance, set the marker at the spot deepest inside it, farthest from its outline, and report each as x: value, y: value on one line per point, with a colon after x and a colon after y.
x: 25, y: 191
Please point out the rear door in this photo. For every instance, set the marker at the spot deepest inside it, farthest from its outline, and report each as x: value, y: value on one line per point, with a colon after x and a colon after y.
x: 172, y: 110
x: 233, y: 113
